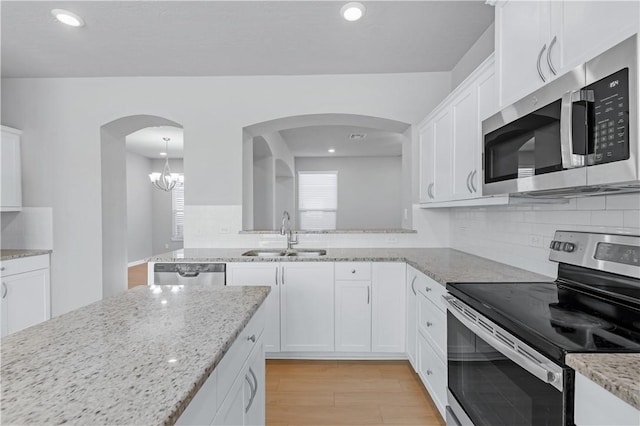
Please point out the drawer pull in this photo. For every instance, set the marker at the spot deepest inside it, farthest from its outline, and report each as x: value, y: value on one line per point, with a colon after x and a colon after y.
x: 5, y: 290
x: 252, y: 338
x: 427, y: 289
x: 353, y: 271
x: 429, y: 372
x: 2, y: 268
x: 429, y: 324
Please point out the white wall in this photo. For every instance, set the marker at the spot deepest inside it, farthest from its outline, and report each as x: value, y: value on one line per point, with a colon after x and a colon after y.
x: 139, y: 209
x: 480, y: 51
x: 369, y: 189
x: 31, y: 228
x: 162, y: 211
x: 62, y: 153
x: 520, y: 235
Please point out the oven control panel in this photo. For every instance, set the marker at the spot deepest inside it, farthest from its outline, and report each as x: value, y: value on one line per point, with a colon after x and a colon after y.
x: 617, y: 253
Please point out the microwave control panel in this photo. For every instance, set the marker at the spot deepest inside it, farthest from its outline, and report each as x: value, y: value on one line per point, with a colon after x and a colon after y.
x: 611, y: 124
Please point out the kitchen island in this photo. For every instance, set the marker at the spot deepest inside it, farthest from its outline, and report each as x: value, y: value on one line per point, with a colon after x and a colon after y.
x: 136, y: 358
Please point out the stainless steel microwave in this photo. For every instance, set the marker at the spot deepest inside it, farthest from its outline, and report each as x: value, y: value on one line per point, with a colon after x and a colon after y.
x: 577, y: 135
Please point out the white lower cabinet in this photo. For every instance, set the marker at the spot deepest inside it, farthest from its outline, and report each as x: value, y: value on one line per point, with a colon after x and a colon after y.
x: 353, y: 316
x: 25, y: 293
x: 307, y: 307
x: 234, y: 394
x: 412, y: 317
x: 595, y: 406
x: 433, y: 372
x: 388, y: 284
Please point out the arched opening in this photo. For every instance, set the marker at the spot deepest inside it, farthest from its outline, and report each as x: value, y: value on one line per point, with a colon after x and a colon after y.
x: 113, y: 157
x: 330, y: 171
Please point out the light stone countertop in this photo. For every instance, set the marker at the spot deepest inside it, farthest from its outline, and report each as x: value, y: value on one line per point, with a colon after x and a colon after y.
x: 8, y: 254
x: 617, y: 373
x: 108, y: 363
x: 441, y: 264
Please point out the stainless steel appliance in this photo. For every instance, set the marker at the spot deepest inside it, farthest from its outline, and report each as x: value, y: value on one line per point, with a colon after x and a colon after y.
x: 506, y: 342
x: 189, y: 273
x: 576, y: 135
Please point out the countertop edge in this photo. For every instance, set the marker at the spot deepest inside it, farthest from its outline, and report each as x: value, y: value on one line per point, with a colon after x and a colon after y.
x: 608, y: 373
x: 20, y: 253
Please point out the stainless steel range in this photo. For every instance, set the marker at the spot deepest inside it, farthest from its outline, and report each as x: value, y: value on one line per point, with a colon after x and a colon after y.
x: 507, y: 342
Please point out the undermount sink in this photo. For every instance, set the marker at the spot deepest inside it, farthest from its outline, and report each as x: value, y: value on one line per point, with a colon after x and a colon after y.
x: 282, y: 253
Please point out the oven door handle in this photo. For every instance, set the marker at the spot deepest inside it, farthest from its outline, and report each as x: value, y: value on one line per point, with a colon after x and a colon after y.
x: 514, y: 354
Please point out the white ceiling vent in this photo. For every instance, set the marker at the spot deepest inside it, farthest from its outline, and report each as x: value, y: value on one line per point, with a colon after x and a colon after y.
x: 357, y: 136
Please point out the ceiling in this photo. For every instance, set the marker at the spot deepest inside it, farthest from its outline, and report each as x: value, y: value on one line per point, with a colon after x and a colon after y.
x: 315, y: 141
x: 208, y: 38
x: 148, y: 142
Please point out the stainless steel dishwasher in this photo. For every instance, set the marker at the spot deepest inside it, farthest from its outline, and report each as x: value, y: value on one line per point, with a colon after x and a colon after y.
x: 189, y: 273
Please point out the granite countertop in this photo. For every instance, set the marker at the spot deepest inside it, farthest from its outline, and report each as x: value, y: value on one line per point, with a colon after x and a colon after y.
x: 8, y: 254
x: 335, y: 231
x: 617, y: 373
x: 441, y: 264
x: 135, y: 358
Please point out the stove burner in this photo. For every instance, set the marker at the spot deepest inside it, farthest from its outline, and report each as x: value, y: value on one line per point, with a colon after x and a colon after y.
x: 566, y: 318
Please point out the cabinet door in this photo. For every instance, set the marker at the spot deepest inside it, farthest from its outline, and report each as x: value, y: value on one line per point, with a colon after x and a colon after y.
x: 433, y: 373
x: 465, y: 142
x: 412, y: 319
x: 522, y: 29
x: 427, y: 161
x: 26, y: 300
x: 388, y: 307
x: 353, y: 316
x: 254, y: 390
x: 11, y: 179
x: 261, y: 274
x: 443, y: 134
x: 306, y: 307
x: 231, y: 412
x: 587, y: 28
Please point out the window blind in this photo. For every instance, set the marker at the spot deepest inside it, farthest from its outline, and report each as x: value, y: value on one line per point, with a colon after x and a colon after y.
x: 177, y: 206
x: 317, y: 199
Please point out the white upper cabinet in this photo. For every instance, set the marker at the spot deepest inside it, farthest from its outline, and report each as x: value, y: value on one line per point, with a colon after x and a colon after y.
x: 537, y: 41
x: 427, y: 161
x: 465, y: 143
x: 443, y: 135
x: 10, y: 168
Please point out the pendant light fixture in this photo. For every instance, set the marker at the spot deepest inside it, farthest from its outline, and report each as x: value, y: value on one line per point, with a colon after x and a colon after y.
x: 166, y: 180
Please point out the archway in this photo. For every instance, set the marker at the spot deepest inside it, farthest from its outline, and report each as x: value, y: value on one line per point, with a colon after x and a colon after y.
x: 114, y: 196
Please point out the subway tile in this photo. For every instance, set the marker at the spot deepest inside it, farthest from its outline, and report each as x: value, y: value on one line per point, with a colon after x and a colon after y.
x: 612, y: 218
x: 631, y: 219
x: 623, y: 202
x: 591, y: 203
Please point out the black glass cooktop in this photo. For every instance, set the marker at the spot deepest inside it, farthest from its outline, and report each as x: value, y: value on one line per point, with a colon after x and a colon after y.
x: 555, y: 318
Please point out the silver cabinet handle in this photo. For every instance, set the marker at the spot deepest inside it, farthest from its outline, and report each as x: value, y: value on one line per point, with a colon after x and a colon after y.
x: 429, y: 190
x: 429, y: 372
x: 277, y: 276
x: 353, y: 271
x: 282, y: 276
x: 427, y: 289
x: 5, y: 290
x: 368, y: 295
x: 544, y: 80
x: 252, y: 338
x: 429, y: 324
x: 468, y: 179
x: 1, y: 268
x: 254, y: 389
x: 412, y: 287
x: 549, y: 62
x: 473, y: 177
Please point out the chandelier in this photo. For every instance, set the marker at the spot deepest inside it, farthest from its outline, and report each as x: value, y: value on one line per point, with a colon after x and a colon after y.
x: 166, y: 180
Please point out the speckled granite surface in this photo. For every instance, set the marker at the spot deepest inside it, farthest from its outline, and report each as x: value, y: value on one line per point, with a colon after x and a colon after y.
x: 441, y: 264
x: 8, y: 254
x: 108, y: 363
x: 335, y: 231
x: 617, y: 373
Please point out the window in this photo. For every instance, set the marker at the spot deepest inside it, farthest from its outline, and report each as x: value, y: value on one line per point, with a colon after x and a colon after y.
x: 177, y: 209
x: 317, y: 199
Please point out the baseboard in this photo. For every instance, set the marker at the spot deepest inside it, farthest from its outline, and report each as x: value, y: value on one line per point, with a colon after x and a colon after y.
x: 329, y: 356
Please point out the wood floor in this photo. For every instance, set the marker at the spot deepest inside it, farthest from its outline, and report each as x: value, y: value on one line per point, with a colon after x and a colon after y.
x: 137, y: 275
x: 347, y: 393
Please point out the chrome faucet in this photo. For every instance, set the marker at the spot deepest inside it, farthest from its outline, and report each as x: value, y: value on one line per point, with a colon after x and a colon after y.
x: 285, y: 229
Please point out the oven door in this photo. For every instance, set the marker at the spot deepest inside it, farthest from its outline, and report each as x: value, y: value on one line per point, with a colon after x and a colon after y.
x: 494, y: 379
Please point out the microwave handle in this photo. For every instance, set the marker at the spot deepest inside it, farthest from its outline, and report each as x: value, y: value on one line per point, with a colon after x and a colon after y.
x: 571, y: 160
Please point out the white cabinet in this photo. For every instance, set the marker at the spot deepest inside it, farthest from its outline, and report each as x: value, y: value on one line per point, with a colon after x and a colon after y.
x: 595, y: 406
x: 353, y: 306
x: 10, y: 170
x: 433, y: 372
x: 25, y: 293
x: 261, y: 274
x: 412, y: 317
x: 451, y: 140
x: 388, y: 280
x: 254, y: 390
x: 306, y: 307
x: 536, y: 41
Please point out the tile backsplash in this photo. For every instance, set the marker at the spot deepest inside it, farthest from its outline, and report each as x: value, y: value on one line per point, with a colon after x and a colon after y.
x: 520, y: 235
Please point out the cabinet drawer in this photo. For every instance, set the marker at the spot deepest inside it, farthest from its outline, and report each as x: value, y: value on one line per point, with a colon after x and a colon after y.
x: 360, y: 271
x: 24, y: 264
x: 238, y: 353
x: 433, y: 373
x: 432, y: 322
x: 432, y: 290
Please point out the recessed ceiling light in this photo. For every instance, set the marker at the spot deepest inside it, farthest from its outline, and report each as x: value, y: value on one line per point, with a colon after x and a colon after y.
x: 352, y: 11
x: 332, y: 150
x: 164, y: 154
x: 68, y: 18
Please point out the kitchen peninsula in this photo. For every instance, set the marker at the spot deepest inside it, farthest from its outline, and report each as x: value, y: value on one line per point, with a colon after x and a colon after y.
x: 136, y: 358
